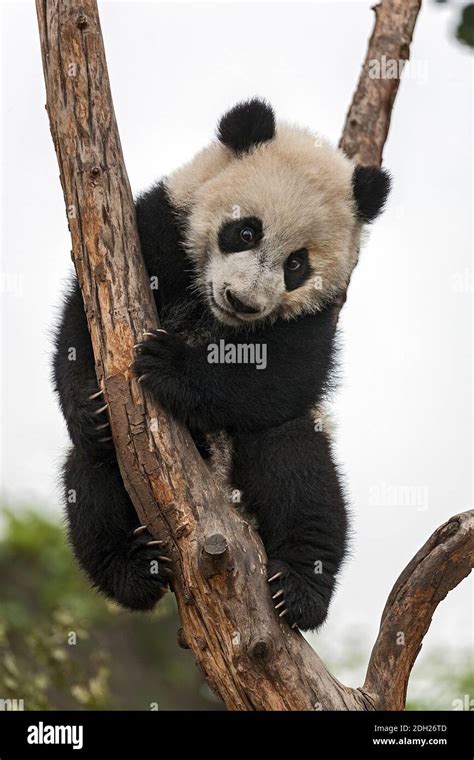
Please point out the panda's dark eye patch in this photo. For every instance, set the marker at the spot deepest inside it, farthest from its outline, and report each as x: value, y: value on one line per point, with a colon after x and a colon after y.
x: 297, y: 269
x: 240, y: 235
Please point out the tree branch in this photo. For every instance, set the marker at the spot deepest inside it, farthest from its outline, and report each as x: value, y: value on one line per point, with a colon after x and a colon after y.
x: 368, y: 119
x: 442, y: 563
x: 251, y: 660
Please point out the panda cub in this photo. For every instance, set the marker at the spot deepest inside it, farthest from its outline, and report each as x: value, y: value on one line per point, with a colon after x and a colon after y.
x: 253, y: 242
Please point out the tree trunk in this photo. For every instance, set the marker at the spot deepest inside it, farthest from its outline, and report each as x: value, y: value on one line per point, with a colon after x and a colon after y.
x: 252, y: 660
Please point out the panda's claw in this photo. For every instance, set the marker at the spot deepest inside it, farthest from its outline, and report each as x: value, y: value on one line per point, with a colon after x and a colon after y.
x: 95, y: 395
x: 274, y: 577
x: 140, y: 529
x: 154, y: 542
x: 153, y: 333
x: 163, y: 558
x: 280, y: 604
x: 278, y: 593
x: 102, y: 409
x: 101, y: 427
x: 282, y: 614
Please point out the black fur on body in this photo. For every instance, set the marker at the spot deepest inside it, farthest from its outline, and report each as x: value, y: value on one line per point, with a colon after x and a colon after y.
x: 280, y: 460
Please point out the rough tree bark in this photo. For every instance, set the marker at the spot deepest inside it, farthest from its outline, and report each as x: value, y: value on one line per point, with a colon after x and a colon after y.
x: 250, y: 659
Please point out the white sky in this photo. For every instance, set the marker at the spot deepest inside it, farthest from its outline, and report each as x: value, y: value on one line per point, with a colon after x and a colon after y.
x: 405, y: 406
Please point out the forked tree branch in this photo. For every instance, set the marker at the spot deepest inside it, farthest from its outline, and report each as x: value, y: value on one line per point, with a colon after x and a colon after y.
x: 251, y: 660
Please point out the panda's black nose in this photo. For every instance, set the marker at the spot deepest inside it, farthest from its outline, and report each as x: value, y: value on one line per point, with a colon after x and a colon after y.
x: 239, y: 306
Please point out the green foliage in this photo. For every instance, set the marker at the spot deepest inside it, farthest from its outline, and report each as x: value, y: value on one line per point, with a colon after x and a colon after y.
x: 62, y: 646
x: 465, y: 30
x: 444, y: 682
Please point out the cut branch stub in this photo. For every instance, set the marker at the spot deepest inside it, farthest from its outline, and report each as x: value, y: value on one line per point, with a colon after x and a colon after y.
x: 215, y: 555
x: 215, y: 546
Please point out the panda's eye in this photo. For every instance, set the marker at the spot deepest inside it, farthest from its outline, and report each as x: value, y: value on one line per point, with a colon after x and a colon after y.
x: 296, y: 269
x: 247, y: 235
x: 240, y: 235
x: 293, y: 264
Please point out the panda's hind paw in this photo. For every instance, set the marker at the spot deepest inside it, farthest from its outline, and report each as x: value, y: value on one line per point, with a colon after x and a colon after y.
x: 295, y: 597
x: 144, y: 574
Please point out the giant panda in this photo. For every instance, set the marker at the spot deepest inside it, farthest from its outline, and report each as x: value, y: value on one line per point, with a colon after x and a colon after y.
x: 253, y: 242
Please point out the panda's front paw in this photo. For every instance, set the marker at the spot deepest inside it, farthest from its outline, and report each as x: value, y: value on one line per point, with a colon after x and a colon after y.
x: 296, y: 598
x: 160, y: 364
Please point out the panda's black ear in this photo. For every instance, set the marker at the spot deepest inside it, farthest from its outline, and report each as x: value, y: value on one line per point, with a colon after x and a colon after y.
x: 371, y: 186
x: 246, y: 125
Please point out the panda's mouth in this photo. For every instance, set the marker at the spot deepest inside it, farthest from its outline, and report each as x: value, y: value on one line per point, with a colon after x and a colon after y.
x: 229, y: 316
x: 218, y: 306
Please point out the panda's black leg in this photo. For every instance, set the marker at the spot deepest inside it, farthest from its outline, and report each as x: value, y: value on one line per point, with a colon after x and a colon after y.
x: 288, y: 479
x: 120, y: 557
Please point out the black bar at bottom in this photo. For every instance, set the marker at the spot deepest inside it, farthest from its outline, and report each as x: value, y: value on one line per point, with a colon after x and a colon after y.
x: 382, y: 734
